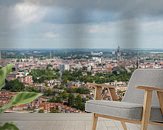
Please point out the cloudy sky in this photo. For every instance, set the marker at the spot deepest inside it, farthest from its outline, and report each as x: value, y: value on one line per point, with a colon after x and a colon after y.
x: 81, y: 23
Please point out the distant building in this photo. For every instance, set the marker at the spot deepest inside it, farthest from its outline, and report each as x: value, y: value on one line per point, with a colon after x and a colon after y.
x: 78, y: 66
x: 26, y: 79
x: 97, y: 59
x: 96, y: 53
x: 67, y: 67
x: 12, y: 76
x: 118, y: 53
x: 137, y: 63
x: 89, y: 68
x: 5, y: 97
x: 63, y: 67
x: 50, y: 56
x: 19, y: 74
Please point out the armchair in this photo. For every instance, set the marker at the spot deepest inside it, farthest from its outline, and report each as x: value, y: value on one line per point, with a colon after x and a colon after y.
x: 137, y: 107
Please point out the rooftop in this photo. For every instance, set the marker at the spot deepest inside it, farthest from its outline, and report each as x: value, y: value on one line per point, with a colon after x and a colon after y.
x: 58, y: 121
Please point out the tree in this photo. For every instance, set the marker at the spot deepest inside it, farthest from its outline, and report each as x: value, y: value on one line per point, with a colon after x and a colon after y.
x: 41, y: 111
x: 82, y: 90
x: 79, y: 103
x: 15, y: 86
x: 48, y: 92
x: 64, y: 95
x: 71, y: 100
x: 40, y: 75
x: 31, y: 89
x: 58, y: 99
x: 49, y: 66
x: 52, y: 99
x: 54, y: 110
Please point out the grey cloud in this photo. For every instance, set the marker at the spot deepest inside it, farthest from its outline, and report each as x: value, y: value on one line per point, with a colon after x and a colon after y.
x: 127, y: 8
x: 81, y: 11
x: 130, y: 7
x: 129, y: 33
x: 6, y: 31
x: 9, y: 2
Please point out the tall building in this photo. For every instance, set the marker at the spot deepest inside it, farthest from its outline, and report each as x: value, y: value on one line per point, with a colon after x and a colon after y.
x: 118, y: 53
x: 63, y: 67
x: 137, y: 60
x: 50, y: 55
x: 137, y: 63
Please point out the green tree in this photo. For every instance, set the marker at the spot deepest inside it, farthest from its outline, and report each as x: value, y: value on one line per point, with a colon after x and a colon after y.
x: 41, y: 111
x: 54, y: 110
x: 31, y: 89
x: 64, y: 95
x: 40, y: 75
x: 79, y: 103
x: 51, y: 99
x: 82, y: 90
x: 71, y: 100
x: 48, y: 92
x: 15, y: 86
x: 49, y: 66
x: 59, y: 99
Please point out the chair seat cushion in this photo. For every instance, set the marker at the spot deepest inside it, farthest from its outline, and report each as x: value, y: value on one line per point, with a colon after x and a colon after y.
x: 131, y: 111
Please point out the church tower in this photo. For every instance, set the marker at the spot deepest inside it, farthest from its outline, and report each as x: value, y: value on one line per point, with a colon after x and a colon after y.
x: 118, y: 53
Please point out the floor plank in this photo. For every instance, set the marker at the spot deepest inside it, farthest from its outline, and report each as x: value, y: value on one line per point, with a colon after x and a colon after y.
x: 61, y: 121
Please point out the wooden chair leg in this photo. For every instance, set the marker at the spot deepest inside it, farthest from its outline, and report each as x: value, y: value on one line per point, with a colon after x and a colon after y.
x: 94, y: 123
x: 124, y: 125
x: 160, y: 98
x: 146, y: 110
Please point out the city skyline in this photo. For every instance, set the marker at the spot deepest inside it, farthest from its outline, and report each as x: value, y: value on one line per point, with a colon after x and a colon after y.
x: 82, y: 24
x: 64, y: 77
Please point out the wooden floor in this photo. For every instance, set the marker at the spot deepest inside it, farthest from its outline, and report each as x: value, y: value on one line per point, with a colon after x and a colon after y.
x: 58, y: 122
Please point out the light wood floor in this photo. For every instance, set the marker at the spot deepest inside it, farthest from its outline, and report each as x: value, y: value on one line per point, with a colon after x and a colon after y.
x: 58, y: 122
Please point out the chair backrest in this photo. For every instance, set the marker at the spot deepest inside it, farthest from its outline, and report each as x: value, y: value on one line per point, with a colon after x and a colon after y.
x: 146, y: 77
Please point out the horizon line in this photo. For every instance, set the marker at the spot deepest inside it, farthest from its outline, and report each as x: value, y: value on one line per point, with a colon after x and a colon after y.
x: 80, y: 48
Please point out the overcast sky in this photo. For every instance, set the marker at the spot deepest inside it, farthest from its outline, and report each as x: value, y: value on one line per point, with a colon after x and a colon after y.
x: 81, y: 23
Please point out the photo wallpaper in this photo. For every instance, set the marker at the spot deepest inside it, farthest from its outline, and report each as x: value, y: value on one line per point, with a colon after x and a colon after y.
x: 57, y: 48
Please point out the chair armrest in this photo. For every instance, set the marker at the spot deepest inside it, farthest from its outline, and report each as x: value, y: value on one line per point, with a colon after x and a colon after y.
x: 100, y: 85
x: 148, y: 88
x: 98, y: 91
x: 148, y: 101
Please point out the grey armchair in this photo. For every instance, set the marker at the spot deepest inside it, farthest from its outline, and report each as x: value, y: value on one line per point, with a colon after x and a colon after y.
x: 142, y: 103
